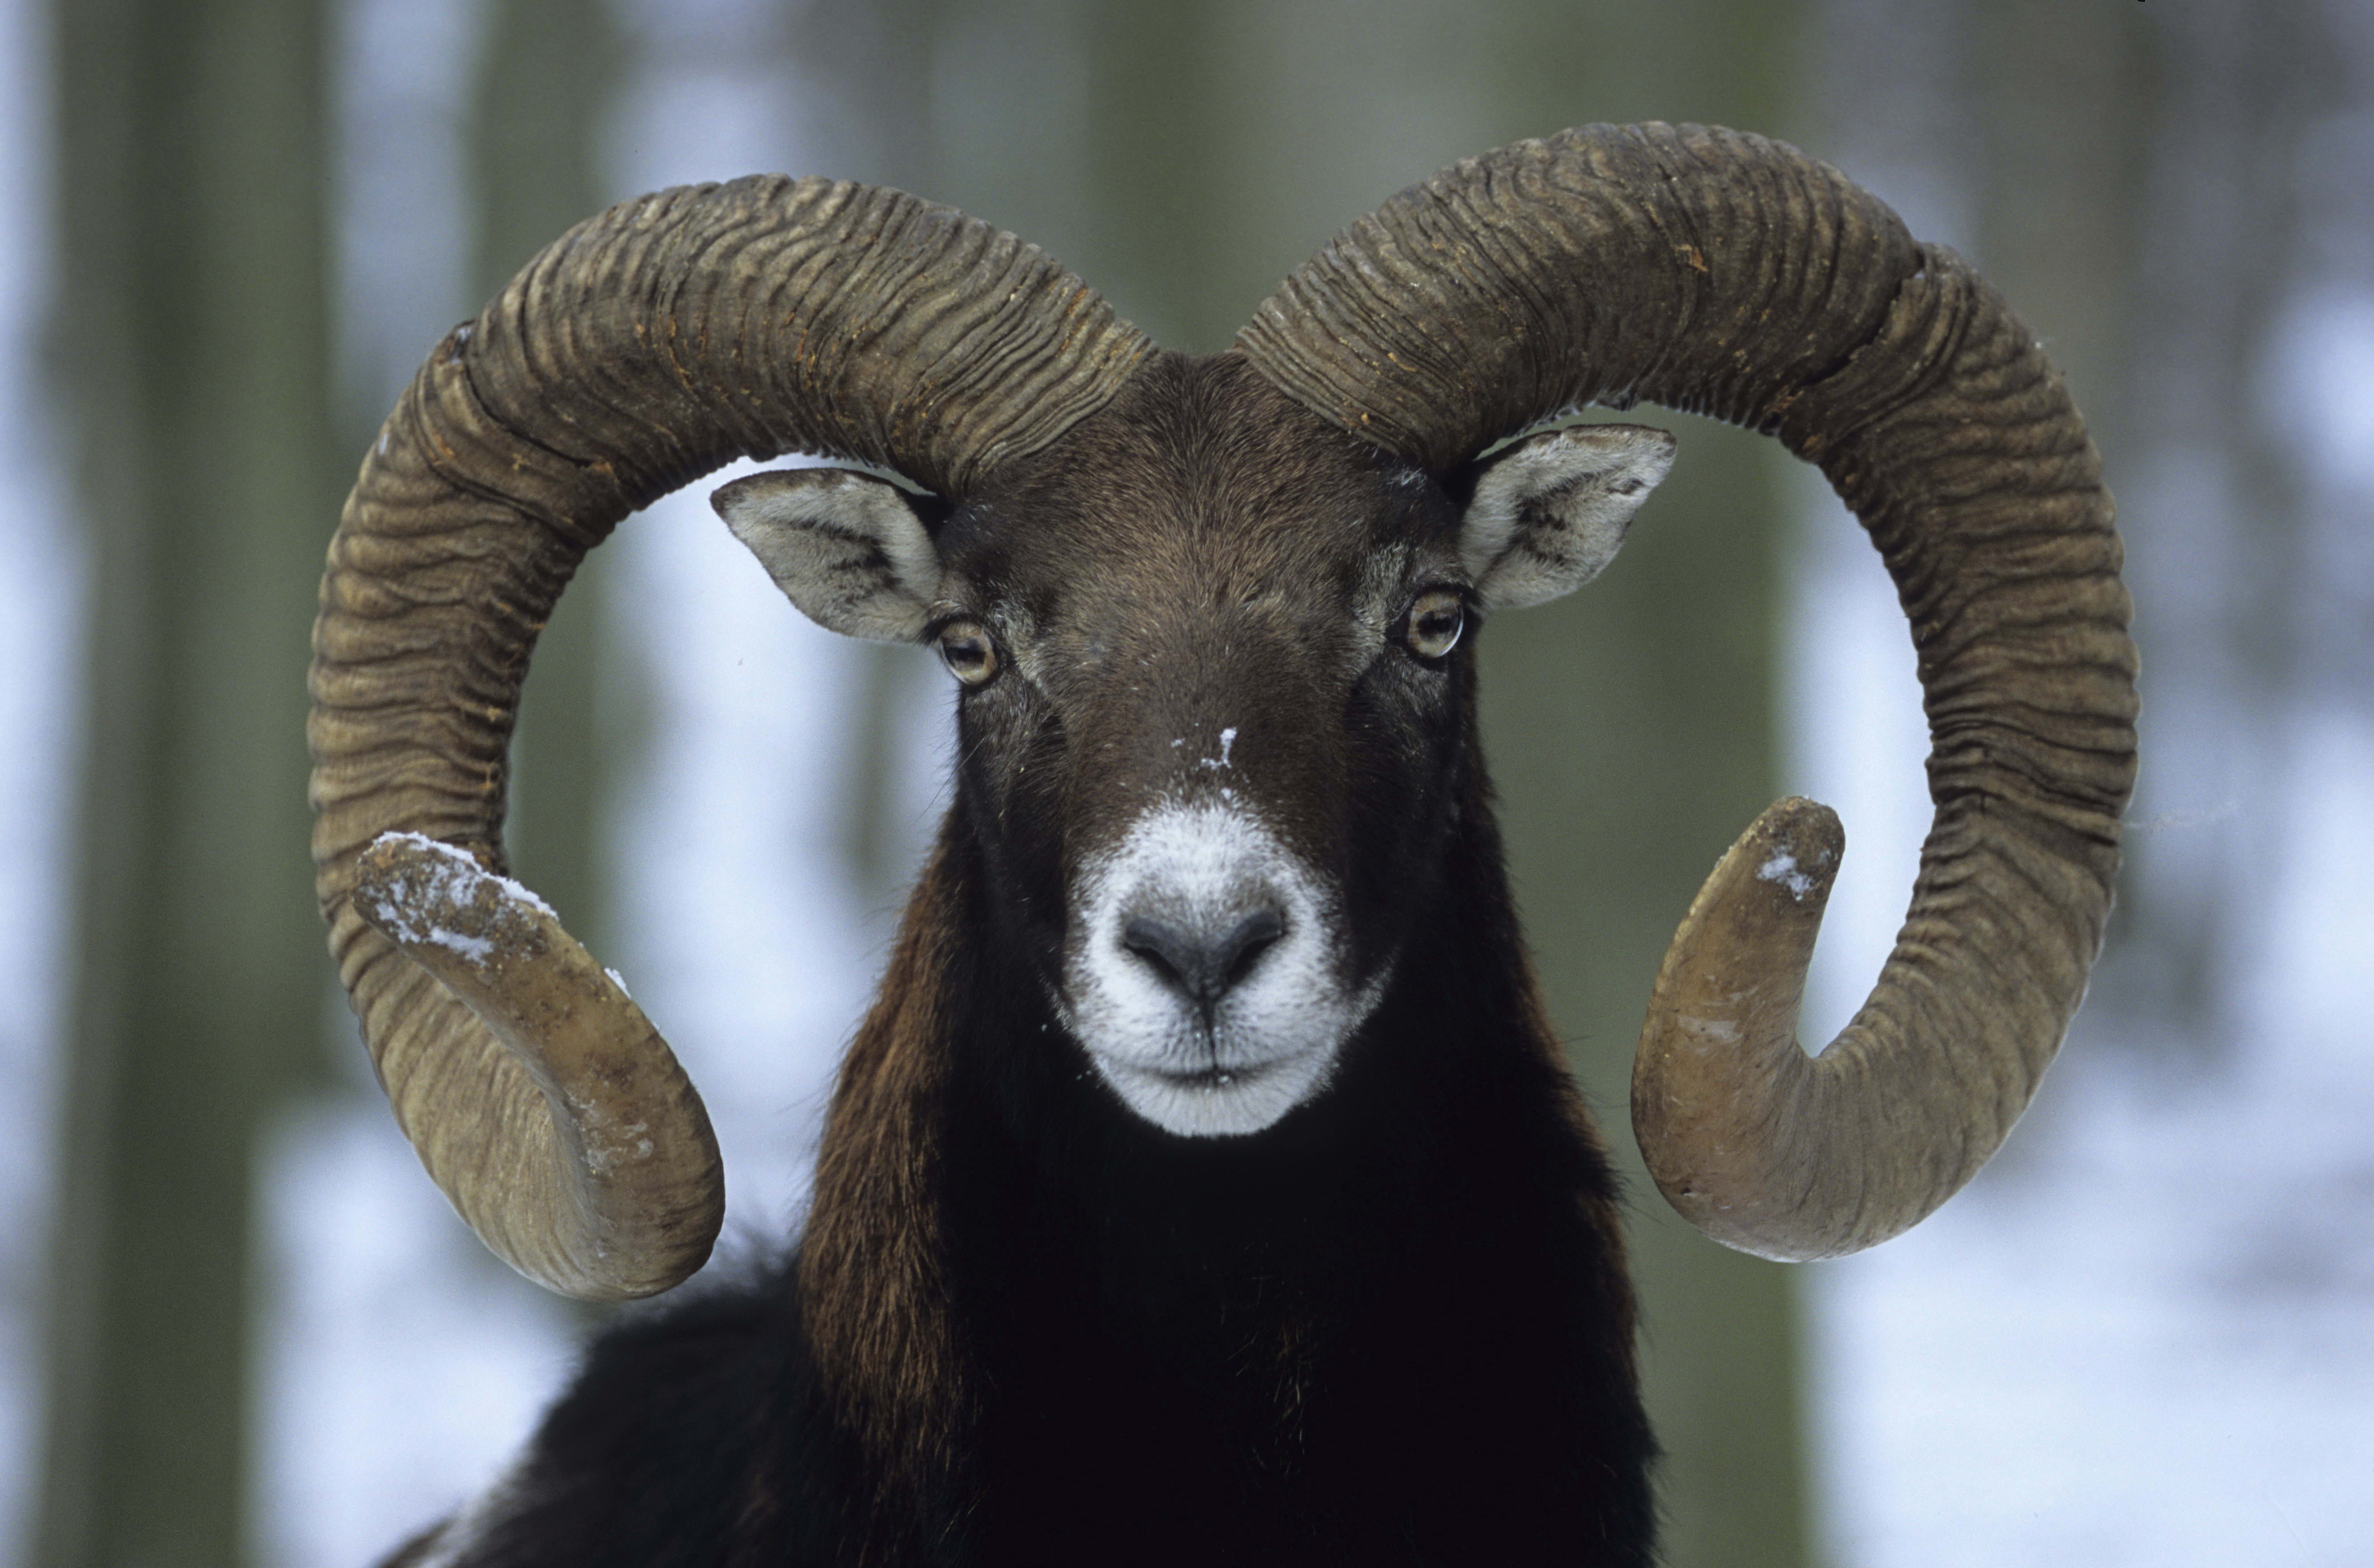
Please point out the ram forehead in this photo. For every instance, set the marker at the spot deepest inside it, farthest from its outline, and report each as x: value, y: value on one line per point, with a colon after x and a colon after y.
x: 1200, y: 458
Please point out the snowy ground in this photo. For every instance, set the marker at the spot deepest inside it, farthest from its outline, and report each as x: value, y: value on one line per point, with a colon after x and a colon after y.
x: 2153, y: 1345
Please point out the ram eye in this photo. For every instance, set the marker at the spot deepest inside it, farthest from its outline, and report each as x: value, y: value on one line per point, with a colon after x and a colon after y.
x: 967, y: 651
x: 1435, y: 622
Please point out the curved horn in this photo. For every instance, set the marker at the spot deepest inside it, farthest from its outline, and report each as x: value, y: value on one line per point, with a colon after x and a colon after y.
x: 1725, y: 275
x: 647, y: 347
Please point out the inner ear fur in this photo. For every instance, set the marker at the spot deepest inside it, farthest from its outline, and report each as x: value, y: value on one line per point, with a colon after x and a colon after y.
x: 1546, y: 515
x: 854, y: 552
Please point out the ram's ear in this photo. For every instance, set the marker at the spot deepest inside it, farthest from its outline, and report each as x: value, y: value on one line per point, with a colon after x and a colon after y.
x: 852, y: 551
x: 1547, y: 513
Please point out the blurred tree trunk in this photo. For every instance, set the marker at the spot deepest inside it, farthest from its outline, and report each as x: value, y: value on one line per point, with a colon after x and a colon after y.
x: 2064, y: 100
x: 2143, y: 165
x: 1158, y: 168
x: 882, y: 134
x: 546, y: 79
x: 191, y: 340
x: 1632, y: 731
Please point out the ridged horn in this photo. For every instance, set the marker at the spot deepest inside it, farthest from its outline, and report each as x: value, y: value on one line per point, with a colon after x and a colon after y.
x: 649, y: 345
x: 1725, y: 275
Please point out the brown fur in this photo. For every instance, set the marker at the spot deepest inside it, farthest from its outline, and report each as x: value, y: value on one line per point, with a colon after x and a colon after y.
x: 876, y: 1307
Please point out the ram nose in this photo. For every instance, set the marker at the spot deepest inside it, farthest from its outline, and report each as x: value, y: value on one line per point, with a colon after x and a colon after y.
x: 1203, y: 955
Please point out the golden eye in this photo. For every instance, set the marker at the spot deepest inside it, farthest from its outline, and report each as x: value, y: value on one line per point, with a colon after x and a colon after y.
x: 1435, y: 622
x: 967, y: 651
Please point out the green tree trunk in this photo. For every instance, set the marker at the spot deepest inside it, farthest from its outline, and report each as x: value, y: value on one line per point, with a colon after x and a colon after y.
x: 1632, y: 728
x: 189, y: 340
x: 547, y: 77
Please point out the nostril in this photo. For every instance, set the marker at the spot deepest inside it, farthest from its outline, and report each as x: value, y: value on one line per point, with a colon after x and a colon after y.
x: 1201, y: 960
x: 1242, y: 947
x: 1173, y: 953
x: 1153, y: 939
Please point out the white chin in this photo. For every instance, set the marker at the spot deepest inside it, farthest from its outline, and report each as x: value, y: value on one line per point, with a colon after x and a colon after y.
x: 1220, y: 1103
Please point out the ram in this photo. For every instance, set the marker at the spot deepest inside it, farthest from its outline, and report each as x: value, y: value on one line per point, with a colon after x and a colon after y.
x: 1203, y: 1186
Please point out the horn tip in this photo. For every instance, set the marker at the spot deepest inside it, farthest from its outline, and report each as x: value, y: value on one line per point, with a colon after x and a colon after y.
x: 1719, y: 1062
x: 1796, y: 846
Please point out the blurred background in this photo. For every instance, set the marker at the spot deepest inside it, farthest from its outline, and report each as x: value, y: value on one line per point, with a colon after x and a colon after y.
x: 239, y: 1326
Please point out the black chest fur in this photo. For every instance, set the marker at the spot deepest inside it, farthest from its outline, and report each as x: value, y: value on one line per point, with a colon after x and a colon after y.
x: 1373, y: 1389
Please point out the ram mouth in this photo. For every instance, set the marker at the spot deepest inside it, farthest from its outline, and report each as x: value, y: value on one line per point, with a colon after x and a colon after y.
x: 1217, y: 1078
x: 1215, y: 1101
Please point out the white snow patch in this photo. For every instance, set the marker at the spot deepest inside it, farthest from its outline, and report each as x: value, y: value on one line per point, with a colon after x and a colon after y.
x: 2135, y: 1347
x: 1858, y: 739
x: 1782, y: 868
x: 476, y: 949
x: 463, y: 873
